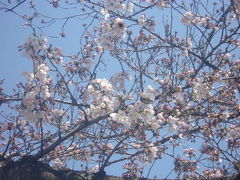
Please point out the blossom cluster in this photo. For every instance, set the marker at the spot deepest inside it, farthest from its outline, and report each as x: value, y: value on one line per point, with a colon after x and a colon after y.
x: 149, y: 94
x: 147, y: 22
x: 56, y: 56
x: 116, y: 7
x: 121, y: 118
x: 79, y: 66
x: 38, y: 82
x: 189, y: 152
x: 142, y: 20
x: 214, y: 155
x: 236, y: 65
x: 150, y: 119
x: 113, y: 5
x: 140, y: 110
x: 188, y: 46
x: 142, y: 113
x: 133, y: 169
x: 210, y: 174
x: 200, y: 90
x: 160, y: 3
x: 74, y: 152
x: 100, y: 93
x: 151, y: 152
x: 237, y: 6
x: 93, y: 169
x: 38, y: 85
x: 58, y: 163
x: 183, y: 165
x: 189, y: 18
x: 111, y: 32
x: 42, y: 75
x: 118, y: 80
x: 33, y: 46
x: 233, y: 136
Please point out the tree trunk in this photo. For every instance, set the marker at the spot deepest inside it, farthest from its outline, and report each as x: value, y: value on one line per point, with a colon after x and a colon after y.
x: 27, y: 170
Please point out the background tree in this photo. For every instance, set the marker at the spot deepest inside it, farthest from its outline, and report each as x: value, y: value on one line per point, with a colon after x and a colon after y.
x: 175, y: 92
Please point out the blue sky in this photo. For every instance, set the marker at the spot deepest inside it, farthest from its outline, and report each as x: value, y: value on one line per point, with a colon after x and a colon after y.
x: 12, y: 34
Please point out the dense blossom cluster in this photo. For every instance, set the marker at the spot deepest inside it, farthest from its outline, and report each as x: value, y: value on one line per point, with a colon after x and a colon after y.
x: 183, y: 165
x: 149, y: 94
x: 111, y: 32
x: 151, y: 152
x: 33, y: 46
x: 210, y: 174
x: 42, y: 75
x: 140, y: 111
x: 38, y: 87
x: 117, y: 6
x: 233, y: 136
x: 134, y: 110
x: 200, y: 90
x: 121, y: 118
x: 100, y: 92
x: 114, y: 6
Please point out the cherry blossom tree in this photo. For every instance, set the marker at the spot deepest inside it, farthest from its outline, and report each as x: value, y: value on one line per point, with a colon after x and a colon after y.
x: 175, y: 92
